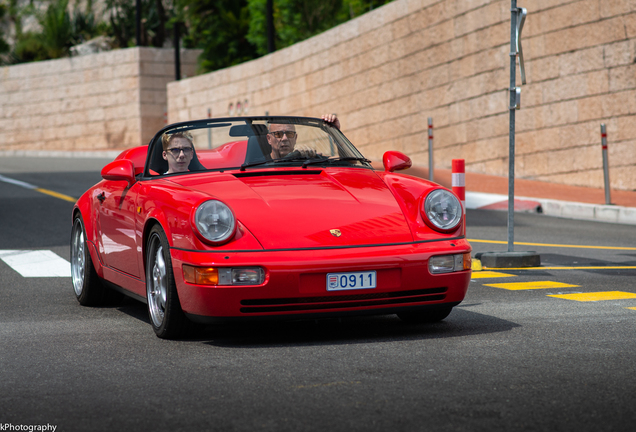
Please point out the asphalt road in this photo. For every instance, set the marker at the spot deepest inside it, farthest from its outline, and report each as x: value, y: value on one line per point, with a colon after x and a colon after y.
x: 505, y: 359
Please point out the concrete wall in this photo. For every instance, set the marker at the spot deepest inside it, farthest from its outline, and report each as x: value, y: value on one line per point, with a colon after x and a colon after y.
x: 387, y: 71
x: 110, y: 100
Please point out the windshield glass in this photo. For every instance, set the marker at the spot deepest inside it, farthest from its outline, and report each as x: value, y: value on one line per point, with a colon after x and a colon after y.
x: 250, y: 143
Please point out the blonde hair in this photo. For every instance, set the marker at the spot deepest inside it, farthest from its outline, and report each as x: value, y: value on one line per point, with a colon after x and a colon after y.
x: 166, y: 138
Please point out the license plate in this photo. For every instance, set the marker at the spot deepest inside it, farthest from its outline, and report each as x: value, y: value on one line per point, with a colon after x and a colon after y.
x: 351, y: 281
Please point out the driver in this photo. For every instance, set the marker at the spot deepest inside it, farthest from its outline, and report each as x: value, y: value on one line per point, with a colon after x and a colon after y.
x: 282, y: 138
x: 178, y: 150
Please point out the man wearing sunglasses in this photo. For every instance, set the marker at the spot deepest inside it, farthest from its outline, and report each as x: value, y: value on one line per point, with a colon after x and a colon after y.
x: 282, y: 138
x: 178, y: 150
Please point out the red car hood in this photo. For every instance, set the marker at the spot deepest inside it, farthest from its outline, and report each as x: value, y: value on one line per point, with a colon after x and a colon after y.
x: 309, y: 208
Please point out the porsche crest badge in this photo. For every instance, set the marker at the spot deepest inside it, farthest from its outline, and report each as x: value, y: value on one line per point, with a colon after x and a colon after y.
x: 335, y: 232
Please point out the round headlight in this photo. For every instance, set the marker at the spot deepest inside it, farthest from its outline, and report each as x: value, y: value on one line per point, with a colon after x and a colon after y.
x: 443, y: 210
x: 215, y: 221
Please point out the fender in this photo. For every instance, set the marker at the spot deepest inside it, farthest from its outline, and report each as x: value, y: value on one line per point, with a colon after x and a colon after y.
x: 83, y: 208
x: 159, y: 207
x: 410, y: 193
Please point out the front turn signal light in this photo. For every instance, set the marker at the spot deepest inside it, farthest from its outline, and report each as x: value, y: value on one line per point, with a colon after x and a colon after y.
x: 449, y: 263
x: 223, y: 275
x: 201, y: 275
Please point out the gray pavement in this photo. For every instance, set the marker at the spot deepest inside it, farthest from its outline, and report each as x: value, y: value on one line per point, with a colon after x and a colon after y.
x: 503, y: 360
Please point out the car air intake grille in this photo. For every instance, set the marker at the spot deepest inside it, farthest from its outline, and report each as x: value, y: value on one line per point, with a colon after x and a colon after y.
x: 278, y: 173
x: 341, y: 302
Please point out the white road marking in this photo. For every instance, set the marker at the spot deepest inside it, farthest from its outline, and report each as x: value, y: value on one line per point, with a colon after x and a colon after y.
x: 475, y: 200
x: 40, y: 263
x: 37, y: 189
x: 17, y: 182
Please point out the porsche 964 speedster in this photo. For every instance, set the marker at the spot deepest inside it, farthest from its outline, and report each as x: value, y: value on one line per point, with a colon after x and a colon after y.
x: 267, y: 217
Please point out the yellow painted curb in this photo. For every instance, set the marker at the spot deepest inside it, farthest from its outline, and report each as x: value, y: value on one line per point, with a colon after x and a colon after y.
x: 596, y: 296
x: 516, y: 286
x: 485, y: 274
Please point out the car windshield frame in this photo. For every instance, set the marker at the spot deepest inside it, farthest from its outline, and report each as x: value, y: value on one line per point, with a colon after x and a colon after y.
x: 342, y: 152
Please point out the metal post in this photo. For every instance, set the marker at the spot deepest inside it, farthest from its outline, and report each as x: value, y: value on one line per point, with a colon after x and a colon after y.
x: 209, y: 129
x: 271, y: 31
x: 177, y: 52
x: 138, y: 22
x: 512, y: 107
x: 608, y: 200
x: 512, y: 259
x: 431, y: 168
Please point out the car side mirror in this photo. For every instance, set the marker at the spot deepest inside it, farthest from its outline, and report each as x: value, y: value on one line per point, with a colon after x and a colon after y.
x: 396, y: 161
x: 119, y: 170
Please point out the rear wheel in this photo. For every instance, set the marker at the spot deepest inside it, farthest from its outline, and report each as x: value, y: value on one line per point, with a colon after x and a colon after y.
x: 87, y: 285
x: 425, y: 316
x: 164, y: 309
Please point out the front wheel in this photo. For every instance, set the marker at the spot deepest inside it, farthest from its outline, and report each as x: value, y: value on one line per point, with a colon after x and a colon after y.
x: 164, y: 309
x: 425, y: 316
x: 87, y: 285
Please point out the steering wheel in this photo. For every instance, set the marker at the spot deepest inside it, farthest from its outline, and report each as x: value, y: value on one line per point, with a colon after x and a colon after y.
x: 293, y: 155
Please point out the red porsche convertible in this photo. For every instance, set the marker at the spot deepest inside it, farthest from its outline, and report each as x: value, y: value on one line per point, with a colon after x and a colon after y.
x: 267, y: 217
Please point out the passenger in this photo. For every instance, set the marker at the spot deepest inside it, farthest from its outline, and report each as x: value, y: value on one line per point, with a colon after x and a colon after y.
x: 178, y: 150
x: 282, y: 138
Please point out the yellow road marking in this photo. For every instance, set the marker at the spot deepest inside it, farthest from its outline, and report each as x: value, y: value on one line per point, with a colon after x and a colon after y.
x: 567, y: 268
x: 475, y: 265
x: 554, y: 245
x: 531, y: 285
x: 632, y: 308
x: 596, y: 296
x: 490, y: 274
x: 56, y: 195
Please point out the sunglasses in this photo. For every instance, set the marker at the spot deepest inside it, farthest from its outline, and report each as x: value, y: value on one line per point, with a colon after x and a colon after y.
x: 279, y: 134
x: 177, y: 151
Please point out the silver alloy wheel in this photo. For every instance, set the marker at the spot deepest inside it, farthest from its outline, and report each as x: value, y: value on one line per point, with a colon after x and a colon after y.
x: 78, y: 257
x: 157, y: 286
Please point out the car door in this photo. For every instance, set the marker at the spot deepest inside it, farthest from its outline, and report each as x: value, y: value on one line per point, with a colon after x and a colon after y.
x: 117, y: 213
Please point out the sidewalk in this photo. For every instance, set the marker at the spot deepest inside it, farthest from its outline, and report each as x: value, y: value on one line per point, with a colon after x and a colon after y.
x: 571, y: 202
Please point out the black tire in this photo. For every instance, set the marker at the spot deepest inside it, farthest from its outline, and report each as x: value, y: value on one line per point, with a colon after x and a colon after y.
x: 164, y: 309
x: 425, y: 316
x: 87, y: 285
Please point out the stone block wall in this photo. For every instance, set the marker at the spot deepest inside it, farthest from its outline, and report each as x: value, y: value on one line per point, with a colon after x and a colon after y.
x: 387, y: 71
x: 104, y: 101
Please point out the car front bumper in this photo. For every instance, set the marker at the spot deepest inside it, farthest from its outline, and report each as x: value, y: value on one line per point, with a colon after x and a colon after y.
x: 295, y: 283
